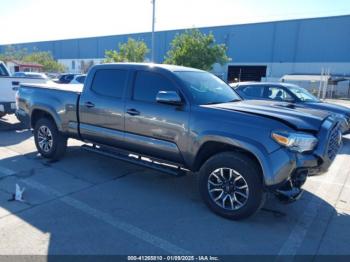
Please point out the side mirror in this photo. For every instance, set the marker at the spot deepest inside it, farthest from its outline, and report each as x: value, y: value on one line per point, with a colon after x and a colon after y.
x: 169, y: 97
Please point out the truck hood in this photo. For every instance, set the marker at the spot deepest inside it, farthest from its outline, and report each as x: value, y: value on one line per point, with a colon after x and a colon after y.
x: 299, y: 118
x: 328, y: 107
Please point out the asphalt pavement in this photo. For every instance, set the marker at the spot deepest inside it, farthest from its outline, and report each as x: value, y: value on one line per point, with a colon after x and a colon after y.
x: 90, y: 204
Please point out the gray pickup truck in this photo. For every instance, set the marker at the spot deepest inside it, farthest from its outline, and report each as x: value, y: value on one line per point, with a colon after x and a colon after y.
x: 182, y: 120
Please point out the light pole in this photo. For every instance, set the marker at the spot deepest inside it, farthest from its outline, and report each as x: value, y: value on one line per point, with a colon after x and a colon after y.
x: 153, y: 22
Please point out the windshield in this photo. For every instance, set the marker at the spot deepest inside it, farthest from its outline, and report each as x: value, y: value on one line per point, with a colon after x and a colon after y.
x: 303, y: 94
x: 205, y: 88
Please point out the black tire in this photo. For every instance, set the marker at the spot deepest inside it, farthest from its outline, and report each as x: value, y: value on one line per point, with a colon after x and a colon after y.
x: 243, y: 166
x: 59, y: 141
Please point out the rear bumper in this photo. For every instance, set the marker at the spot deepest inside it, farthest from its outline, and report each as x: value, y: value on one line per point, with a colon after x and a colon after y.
x: 7, y: 107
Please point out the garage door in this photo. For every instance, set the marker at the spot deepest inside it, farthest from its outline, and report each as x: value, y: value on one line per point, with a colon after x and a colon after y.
x: 245, y: 73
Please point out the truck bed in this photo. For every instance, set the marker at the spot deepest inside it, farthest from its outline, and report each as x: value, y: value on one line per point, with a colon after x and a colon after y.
x: 61, y: 100
x: 76, y: 88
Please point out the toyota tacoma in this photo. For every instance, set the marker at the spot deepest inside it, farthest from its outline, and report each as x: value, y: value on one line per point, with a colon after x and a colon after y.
x: 182, y: 120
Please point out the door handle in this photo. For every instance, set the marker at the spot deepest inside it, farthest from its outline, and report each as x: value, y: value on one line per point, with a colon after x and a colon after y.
x: 133, y: 112
x: 89, y: 104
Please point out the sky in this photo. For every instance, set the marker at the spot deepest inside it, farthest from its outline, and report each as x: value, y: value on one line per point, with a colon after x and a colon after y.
x: 40, y: 20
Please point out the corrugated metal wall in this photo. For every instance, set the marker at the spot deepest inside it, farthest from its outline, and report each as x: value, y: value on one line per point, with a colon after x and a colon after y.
x: 297, y: 41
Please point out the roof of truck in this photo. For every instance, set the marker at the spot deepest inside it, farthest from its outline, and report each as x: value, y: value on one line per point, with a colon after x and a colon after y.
x: 172, y: 68
x: 262, y: 83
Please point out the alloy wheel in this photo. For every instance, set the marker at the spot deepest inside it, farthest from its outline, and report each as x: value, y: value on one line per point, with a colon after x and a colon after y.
x: 45, y: 139
x: 228, y: 188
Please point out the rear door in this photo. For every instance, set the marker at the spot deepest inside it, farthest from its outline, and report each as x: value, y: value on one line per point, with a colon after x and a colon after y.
x: 153, y: 128
x: 101, y: 107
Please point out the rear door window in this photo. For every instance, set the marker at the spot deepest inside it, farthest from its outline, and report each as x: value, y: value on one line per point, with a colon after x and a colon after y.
x: 109, y: 82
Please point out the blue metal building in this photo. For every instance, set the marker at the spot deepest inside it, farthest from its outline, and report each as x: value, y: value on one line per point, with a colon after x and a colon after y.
x: 269, y: 49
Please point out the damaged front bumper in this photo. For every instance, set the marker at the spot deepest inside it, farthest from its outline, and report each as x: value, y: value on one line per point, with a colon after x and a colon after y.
x: 290, y: 190
x: 304, y: 165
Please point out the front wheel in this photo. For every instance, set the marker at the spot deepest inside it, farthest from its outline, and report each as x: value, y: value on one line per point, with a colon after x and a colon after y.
x: 231, y: 185
x: 48, y: 140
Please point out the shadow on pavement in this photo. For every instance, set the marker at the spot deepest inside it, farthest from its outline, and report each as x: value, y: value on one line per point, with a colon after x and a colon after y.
x: 15, y: 132
x: 165, y: 206
x: 6, y: 125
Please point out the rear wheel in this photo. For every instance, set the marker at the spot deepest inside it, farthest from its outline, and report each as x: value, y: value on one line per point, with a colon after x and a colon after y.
x: 231, y: 185
x: 48, y: 140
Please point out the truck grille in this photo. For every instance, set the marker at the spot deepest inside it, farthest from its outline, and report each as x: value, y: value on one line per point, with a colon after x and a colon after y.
x: 334, y: 142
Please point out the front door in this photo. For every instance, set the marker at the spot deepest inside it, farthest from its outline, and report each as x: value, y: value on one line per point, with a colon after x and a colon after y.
x: 152, y: 128
x: 101, y: 108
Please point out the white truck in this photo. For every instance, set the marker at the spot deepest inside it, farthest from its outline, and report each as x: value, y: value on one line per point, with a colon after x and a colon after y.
x: 8, y: 87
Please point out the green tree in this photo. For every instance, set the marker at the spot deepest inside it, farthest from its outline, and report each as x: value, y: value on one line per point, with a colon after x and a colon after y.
x: 13, y: 53
x: 131, y: 51
x: 195, y: 49
x: 45, y: 59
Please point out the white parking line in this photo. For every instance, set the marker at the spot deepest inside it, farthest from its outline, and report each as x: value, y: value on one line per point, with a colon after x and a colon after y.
x: 127, y: 228
x: 298, y: 233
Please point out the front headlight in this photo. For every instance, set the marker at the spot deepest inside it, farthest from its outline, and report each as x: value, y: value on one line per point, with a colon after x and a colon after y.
x: 299, y: 142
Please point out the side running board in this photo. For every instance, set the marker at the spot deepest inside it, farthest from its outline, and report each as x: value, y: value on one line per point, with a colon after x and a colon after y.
x: 159, y: 165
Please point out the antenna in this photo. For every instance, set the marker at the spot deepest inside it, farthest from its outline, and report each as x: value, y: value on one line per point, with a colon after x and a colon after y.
x: 153, y: 23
